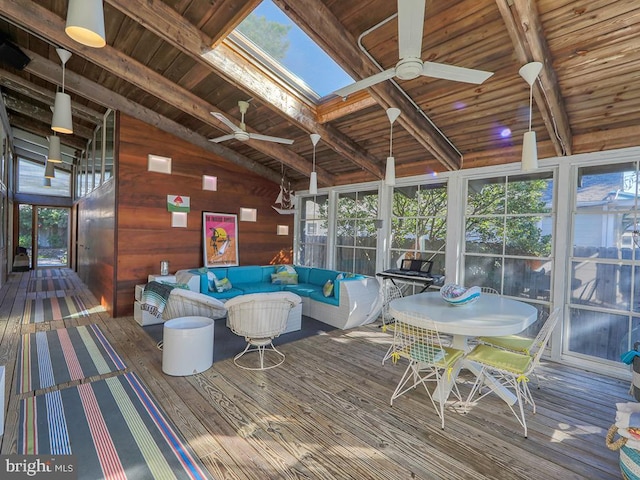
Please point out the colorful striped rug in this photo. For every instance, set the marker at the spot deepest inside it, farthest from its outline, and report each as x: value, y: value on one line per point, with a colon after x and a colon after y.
x: 58, y: 356
x: 50, y: 284
x: 51, y: 272
x: 39, y: 310
x: 113, y: 427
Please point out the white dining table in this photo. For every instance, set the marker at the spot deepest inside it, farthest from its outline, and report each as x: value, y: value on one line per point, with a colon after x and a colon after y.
x: 489, y: 316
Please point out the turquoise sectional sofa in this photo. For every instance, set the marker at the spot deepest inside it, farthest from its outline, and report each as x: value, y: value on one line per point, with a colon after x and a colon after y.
x: 353, y: 302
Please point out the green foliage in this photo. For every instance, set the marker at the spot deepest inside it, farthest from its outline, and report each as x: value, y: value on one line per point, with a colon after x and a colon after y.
x: 271, y: 36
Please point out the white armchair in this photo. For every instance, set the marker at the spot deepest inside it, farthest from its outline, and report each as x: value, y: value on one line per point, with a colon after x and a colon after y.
x: 259, y: 318
x: 185, y: 303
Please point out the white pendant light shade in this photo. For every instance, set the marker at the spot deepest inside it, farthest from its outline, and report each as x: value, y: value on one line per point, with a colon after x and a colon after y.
x: 54, y: 155
x: 313, y: 183
x: 530, y: 72
x: 49, y: 170
x: 85, y: 22
x: 390, y: 174
x: 62, y: 121
x: 313, y: 179
x: 529, y: 152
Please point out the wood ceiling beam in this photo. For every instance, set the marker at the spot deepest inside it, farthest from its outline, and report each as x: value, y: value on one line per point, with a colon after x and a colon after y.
x: 44, y: 115
x: 325, y: 29
x: 77, y: 84
x: 20, y: 85
x: 240, y: 10
x: 38, y: 19
x: 335, y: 107
x: 525, y: 29
x: 240, y: 70
x: 36, y: 127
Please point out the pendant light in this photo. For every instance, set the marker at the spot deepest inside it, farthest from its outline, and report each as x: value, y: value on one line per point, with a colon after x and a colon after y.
x: 85, y: 22
x: 54, y: 155
x: 49, y: 170
x: 62, y: 122
x: 46, y: 182
x: 530, y: 72
x: 390, y: 174
x: 313, y: 179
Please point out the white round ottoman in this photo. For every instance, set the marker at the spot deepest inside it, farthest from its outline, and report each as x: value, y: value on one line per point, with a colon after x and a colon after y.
x: 187, y: 345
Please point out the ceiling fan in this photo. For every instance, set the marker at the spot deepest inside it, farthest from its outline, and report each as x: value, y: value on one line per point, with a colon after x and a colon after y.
x: 240, y: 132
x: 410, y: 66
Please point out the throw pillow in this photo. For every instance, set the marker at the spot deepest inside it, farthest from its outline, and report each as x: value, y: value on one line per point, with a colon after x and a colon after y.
x: 223, y: 285
x: 327, y: 290
x: 211, y: 281
x: 287, y: 269
x: 284, y: 278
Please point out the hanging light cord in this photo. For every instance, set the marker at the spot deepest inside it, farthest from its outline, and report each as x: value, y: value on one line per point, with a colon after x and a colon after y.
x: 314, y: 157
x: 63, y: 65
x: 530, y: 105
x: 391, y: 140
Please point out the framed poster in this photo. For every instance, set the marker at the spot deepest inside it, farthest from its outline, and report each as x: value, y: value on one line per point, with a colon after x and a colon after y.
x: 220, y: 239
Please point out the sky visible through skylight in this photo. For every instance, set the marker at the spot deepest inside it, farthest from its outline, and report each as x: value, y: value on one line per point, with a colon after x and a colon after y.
x: 304, y: 58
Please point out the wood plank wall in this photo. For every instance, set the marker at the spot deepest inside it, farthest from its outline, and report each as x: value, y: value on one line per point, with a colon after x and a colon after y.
x: 144, y: 235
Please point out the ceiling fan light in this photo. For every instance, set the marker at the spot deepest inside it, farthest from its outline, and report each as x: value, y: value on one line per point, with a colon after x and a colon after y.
x: 49, y: 170
x: 529, y: 152
x: 62, y: 121
x: 85, y: 22
x: 54, y: 155
x: 390, y: 174
x: 313, y: 184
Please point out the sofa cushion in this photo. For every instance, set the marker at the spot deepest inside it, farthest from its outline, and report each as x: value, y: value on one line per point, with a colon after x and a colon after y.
x: 284, y: 278
x: 303, y: 273
x: 304, y: 289
x: 267, y: 271
x: 327, y: 288
x: 319, y: 296
x: 319, y: 276
x: 248, y: 274
x: 233, y: 292
x: 258, y: 287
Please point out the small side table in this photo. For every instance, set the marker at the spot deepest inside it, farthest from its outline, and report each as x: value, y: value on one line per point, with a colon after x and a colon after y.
x: 187, y: 345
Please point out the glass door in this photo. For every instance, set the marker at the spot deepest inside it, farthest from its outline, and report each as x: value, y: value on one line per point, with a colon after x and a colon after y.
x: 52, y: 237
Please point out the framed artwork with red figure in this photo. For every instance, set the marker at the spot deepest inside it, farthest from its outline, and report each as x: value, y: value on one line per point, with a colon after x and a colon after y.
x: 220, y: 239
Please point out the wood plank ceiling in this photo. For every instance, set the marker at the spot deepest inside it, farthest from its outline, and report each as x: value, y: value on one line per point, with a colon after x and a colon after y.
x: 169, y: 63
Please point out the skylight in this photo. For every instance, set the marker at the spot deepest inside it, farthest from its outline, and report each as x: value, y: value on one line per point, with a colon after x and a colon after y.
x: 289, y: 52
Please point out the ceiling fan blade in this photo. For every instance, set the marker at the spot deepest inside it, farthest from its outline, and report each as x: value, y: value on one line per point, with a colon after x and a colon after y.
x: 267, y: 138
x: 231, y: 136
x: 365, y: 83
x: 410, y: 25
x: 226, y: 121
x: 457, y: 74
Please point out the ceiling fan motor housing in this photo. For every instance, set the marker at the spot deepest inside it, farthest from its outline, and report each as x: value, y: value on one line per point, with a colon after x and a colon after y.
x: 409, y: 68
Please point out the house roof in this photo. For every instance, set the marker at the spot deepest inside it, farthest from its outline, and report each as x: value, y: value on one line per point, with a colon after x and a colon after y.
x: 169, y: 63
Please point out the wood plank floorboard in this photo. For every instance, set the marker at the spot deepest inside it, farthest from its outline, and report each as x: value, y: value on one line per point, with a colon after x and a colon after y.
x: 325, y: 413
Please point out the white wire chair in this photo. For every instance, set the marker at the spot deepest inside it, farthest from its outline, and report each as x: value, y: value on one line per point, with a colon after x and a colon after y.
x: 489, y: 290
x: 429, y: 360
x: 186, y: 303
x: 390, y: 291
x: 259, y: 318
x: 511, y: 369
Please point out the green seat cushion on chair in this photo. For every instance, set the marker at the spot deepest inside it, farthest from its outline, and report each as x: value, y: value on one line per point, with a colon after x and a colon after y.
x: 500, y: 359
x: 432, y: 354
x: 515, y: 343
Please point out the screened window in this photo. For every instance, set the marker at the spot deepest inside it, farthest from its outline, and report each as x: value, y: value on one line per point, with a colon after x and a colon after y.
x: 312, y: 242
x: 356, y: 232
x: 604, y: 278
x: 31, y: 179
x: 508, y: 235
x: 419, y: 224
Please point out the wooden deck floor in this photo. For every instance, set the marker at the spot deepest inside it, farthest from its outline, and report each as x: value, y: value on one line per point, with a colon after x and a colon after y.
x: 325, y: 413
